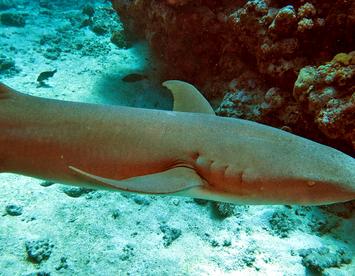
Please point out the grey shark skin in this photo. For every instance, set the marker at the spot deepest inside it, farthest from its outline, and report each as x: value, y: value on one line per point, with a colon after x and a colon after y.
x: 192, y: 153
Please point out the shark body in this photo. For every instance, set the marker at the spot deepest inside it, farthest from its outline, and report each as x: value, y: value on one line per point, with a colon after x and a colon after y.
x: 187, y: 152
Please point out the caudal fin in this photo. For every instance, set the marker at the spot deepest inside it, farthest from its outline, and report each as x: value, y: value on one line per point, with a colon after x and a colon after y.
x: 11, y: 105
x: 5, y: 91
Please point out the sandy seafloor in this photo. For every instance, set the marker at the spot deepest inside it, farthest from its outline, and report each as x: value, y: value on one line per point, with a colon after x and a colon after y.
x: 109, y: 233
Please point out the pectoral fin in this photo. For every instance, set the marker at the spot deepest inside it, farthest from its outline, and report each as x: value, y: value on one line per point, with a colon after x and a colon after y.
x: 187, y: 98
x: 166, y: 182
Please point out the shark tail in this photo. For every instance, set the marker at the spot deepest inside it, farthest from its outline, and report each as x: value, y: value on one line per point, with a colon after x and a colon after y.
x: 8, y: 100
x: 5, y: 91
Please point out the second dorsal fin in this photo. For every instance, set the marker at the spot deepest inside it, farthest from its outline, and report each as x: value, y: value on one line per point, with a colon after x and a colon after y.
x: 187, y: 98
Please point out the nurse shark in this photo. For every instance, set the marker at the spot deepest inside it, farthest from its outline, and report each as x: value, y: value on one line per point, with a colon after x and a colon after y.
x: 185, y: 152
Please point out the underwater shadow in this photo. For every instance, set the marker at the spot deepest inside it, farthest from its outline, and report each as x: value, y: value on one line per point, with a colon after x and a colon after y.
x: 135, y: 81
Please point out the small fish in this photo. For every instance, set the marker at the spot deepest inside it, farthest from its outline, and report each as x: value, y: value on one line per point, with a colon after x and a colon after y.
x: 134, y: 77
x: 46, y: 75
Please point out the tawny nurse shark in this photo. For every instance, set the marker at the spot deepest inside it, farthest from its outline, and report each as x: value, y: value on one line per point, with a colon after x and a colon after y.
x: 186, y: 152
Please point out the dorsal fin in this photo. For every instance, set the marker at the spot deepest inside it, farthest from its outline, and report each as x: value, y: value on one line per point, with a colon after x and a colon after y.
x: 187, y: 98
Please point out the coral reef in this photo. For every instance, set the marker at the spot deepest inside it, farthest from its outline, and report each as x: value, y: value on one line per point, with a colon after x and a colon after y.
x: 65, y: 39
x: 318, y: 259
x: 327, y: 93
x: 282, y: 224
x: 141, y: 199
x: 7, y: 4
x: 170, y: 234
x: 127, y: 252
x: 223, y: 210
x: 12, y: 19
x: 6, y: 63
x: 119, y: 39
x: 14, y: 210
x: 39, y: 250
x: 75, y: 191
x: 218, y: 45
x: 278, y: 40
x: 249, y: 97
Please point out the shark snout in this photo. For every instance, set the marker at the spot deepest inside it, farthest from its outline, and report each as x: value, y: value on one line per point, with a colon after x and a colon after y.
x: 301, y: 172
x: 327, y: 175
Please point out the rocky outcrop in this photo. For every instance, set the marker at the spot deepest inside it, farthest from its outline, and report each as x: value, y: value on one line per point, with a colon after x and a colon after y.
x: 327, y: 93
